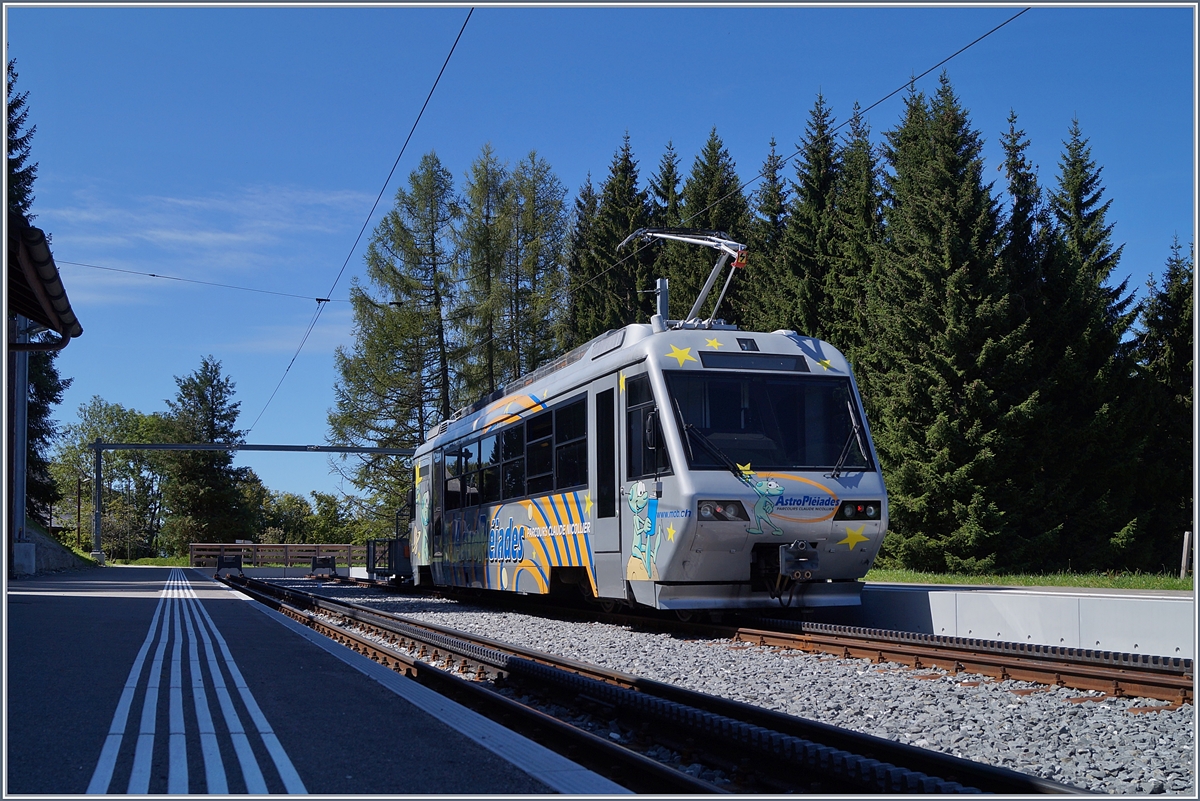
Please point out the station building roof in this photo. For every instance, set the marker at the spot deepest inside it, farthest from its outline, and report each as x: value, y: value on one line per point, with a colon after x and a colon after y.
x: 35, y: 289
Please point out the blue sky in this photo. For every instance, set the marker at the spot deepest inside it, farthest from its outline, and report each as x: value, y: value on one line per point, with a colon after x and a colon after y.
x: 246, y: 145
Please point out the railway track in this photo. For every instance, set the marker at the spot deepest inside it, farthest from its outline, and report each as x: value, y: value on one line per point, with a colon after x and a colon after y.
x: 1112, y: 673
x: 759, y: 750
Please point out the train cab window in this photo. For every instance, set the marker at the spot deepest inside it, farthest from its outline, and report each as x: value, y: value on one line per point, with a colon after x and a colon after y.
x: 643, y: 459
x: 570, y: 445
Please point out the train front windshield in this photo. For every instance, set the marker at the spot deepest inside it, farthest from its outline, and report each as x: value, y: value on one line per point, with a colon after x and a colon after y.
x: 768, y: 421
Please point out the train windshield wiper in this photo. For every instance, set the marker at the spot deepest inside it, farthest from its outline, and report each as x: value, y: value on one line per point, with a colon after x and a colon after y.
x: 713, y: 450
x: 855, y: 434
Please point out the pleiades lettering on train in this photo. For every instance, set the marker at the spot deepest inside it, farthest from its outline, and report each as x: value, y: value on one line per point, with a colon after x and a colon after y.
x: 808, y: 502
x: 506, y: 543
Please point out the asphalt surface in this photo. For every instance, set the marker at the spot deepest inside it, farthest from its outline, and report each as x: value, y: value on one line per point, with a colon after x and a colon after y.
x: 73, y: 638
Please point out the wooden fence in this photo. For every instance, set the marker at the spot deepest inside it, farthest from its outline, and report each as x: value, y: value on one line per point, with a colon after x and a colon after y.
x: 205, y: 554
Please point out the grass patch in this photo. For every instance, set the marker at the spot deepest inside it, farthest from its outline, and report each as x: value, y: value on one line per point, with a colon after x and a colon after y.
x: 1112, y: 581
x: 154, y: 561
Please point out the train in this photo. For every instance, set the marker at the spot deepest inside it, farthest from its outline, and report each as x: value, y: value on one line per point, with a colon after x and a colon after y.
x: 680, y: 465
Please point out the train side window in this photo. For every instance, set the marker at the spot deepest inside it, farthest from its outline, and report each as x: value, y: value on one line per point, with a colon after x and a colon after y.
x: 489, y: 451
x: 540, y: 426
x: 489, y: 484
x: 452, y: 498
x: 470, y: 454
x: 570, y: 445
x: 513, y: 442
x: 606, y: 456
x: 642, y: 460
x: 513, y: 478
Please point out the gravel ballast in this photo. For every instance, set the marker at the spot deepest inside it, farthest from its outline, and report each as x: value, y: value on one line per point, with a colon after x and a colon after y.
x: 1096, y: 745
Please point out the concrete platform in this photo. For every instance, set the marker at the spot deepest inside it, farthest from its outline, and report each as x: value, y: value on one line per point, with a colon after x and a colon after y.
x: 158, y: 680
x: 1159, y: 623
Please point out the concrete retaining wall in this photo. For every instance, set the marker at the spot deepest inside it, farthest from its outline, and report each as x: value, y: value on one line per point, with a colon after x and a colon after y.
x: 1156, y: 623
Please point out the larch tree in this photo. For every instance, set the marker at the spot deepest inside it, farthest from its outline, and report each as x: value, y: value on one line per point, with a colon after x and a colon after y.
x: 537, y: 276
x: 488, y: 305
x: 397, y: 380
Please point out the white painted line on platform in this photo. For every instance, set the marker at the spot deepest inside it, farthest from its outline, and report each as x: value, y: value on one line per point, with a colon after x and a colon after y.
x: 283, y: 764
x: 552, y: 769
x: 214, y: 766
x: 102, y: 775
x: 179, y: 607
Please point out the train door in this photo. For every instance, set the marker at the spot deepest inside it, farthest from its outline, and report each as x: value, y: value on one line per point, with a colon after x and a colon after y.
x: 604, y: 465
x: 421, y: 515
x: 644, y: 464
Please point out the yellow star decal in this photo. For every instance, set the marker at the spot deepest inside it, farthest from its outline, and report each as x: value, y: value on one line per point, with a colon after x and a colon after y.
x: 622, y: 382
x: 853, y: 537
x: 587, y: 504
x: 825, y: 363
x: 684, y: 355
x: 670, y: 533
x: 745, y: 468
x: 712, y: 343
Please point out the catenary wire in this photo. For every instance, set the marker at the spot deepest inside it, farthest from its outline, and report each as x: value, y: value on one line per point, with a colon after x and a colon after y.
x: 205, y: 283
x: 321, y: 302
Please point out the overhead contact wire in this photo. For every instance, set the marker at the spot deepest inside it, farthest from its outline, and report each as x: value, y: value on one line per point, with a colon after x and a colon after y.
x: 367, y: 221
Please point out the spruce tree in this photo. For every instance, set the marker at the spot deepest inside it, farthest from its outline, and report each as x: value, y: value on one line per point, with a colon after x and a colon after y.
x: 809, y: 239
x: 1166, y: 371
x: 1087, y: 386
x: 21, y: 173
x: 945, y: 344
x: 576, y: 318
x: 202, y: 493
x: 857, y: 230
x: 712, y: 200
x: 763, y: 292
x: 46, y: 386
x: 666, y: 211
x: 605, y: 283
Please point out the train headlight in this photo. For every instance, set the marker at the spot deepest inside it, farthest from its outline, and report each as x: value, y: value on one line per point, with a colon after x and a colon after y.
x: 722, y: 511
x: 860, y: 510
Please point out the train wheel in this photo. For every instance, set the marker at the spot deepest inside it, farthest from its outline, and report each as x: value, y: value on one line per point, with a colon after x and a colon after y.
x: 685, y: 615
x: 608, y: 606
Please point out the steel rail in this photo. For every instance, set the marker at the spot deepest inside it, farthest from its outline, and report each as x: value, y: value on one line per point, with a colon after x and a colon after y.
x: 856, y: 760
x: 627, y: 767
x: 1137, y: 675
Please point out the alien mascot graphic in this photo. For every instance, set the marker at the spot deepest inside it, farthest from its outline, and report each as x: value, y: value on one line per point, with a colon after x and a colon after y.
x: 645, y: 536
x: 766, y: 490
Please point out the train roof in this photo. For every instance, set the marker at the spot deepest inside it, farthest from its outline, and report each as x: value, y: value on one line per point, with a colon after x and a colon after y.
x: 696, y: 348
